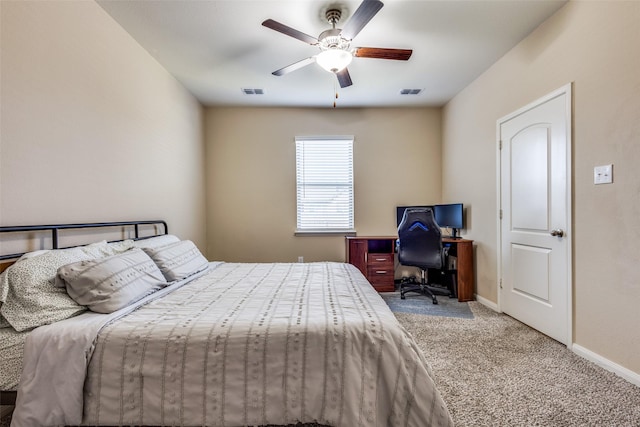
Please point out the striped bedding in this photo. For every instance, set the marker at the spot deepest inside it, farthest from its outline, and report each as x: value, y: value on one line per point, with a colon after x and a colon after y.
x: 258, y: 344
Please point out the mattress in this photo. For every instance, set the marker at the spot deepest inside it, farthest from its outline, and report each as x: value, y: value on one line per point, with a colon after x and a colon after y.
x: 245, y: 344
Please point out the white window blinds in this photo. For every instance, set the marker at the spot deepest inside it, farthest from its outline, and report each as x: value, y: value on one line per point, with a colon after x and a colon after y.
x: 324, y: 182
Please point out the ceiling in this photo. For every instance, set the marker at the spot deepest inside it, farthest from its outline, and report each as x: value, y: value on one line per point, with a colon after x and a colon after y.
x: 217, y: 48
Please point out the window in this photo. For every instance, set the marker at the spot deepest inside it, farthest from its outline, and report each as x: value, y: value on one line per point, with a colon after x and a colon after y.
x: 324, y: 182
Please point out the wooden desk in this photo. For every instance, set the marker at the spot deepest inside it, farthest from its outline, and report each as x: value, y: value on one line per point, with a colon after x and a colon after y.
x: 374, y: 257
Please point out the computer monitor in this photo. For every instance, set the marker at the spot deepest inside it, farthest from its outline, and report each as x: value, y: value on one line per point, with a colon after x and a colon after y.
x: 450, y: 216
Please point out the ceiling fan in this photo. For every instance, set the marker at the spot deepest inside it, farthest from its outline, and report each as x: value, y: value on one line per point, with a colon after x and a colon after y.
x: 336, y: 52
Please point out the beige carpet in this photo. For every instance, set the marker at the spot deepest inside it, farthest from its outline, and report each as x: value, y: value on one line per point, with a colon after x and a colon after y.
x: 495, y: 371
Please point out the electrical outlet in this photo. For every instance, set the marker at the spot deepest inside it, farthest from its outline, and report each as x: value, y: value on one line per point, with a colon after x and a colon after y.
x: 603, y: 174
x: 300, y: 259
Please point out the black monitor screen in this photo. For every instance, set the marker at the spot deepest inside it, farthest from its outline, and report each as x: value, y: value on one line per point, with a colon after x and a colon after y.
x: 449, y: 216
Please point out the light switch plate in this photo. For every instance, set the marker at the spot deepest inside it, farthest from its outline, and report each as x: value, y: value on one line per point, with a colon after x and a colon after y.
x: 603, y: 174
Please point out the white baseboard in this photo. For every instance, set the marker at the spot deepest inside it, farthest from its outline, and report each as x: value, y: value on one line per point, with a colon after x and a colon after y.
x: 607, y: 364
x: 490, y: 304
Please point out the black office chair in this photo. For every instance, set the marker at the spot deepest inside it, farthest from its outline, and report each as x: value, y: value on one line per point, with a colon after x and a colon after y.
x: 420, y: 245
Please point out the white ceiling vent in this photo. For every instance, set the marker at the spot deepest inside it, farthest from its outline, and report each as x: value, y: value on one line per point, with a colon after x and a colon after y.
x: 410, y: 91
x: 247, y: 91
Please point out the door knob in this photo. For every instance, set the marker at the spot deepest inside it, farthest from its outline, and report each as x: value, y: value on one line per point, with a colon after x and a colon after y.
x: 557, y: 232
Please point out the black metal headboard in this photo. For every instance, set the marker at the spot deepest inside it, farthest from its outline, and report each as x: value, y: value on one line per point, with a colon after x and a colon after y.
x: 55, y: 227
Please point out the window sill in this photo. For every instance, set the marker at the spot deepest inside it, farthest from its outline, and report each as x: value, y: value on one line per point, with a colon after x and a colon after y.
x: 327, y: 232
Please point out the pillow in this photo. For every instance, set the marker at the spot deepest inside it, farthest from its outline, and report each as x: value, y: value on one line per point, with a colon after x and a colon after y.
x: 178, y: 260
x: 3, y: 296
x: 96, y: 251
x: 156, y: 241
x: 28, y: 295
x: 32, y: 254
x: 103, y: 249
x: 3, y: 322
x: 4, y: 286
x: 28, y: 290
x: 109, y: 284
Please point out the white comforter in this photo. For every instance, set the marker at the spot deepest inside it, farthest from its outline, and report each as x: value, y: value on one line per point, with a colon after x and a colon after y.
x: 245, y: 344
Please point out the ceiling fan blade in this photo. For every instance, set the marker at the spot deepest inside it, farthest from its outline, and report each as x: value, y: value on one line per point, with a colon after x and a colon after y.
x: 381, y: 53
x: 344, y: 78
x: 281, y: 28
x: 360, y: 18
x: 294, y: 66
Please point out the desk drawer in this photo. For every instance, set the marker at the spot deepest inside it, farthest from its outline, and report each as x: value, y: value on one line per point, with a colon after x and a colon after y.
x: 380, y: 272
x: 381, y: 280
x: 380, y: 276
x: 374, y: 259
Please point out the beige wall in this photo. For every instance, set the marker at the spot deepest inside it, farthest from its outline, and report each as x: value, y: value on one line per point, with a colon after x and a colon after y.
x: 595, y: 45
x: 251, y: 178
x: 93, y: 128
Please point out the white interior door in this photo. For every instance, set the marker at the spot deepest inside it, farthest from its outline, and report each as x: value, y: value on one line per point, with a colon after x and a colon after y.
x: 535, y: 203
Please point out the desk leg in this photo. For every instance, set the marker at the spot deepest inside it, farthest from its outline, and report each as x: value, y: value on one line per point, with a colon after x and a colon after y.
x: 465, y: 271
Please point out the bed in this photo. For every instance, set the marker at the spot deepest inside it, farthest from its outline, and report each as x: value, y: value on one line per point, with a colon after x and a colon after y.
x: 216, y: 344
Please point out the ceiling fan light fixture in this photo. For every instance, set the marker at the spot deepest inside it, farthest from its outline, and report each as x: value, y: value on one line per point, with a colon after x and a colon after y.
x: 334, y: 60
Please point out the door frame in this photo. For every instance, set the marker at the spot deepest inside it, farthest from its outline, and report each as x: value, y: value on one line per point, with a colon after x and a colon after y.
x: 567, y: 91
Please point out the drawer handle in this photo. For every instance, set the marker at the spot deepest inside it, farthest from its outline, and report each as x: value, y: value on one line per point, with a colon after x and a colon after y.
x: 381, y: 271
x: 381, y: 259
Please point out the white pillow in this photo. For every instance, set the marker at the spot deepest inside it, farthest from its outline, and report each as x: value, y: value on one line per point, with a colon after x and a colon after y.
x: 33, y: 254
x: 109, y: 284
x: 156, y: 241
x: 28, y: 291
x: 3, y: 296
x: 97, y: 250
x: 3, y: 278
x: 178, y: 260
x: 28, y: 295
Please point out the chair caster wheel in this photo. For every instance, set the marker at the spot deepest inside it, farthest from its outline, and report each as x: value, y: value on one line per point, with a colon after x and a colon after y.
x: 402, y: 297
x: 435, y: 301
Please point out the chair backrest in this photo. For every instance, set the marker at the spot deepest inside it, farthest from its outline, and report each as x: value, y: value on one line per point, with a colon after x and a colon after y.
x: 420, y: 239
